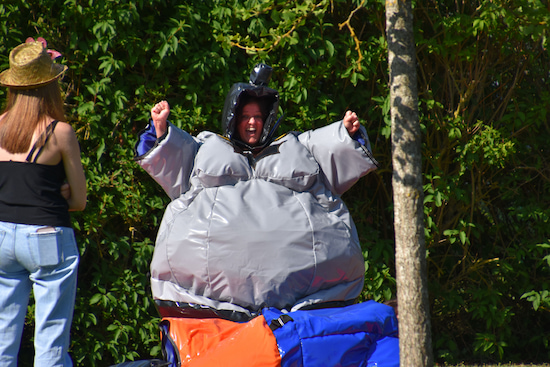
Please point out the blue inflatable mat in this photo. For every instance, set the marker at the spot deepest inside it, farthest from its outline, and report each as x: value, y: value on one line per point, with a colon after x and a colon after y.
x: 359, y: 335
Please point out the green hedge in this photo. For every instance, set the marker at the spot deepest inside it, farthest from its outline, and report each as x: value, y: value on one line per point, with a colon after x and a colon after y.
x: 484, y: 96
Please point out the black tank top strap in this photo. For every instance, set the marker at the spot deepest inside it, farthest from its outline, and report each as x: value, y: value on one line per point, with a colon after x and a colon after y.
x: 47, y: 133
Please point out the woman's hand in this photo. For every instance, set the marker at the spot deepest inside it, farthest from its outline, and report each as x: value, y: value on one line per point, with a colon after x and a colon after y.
x: 159, y: 115
x: 66, y: 191
x: 351, y: 122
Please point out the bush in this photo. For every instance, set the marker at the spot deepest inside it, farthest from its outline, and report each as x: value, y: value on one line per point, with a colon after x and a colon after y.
x: 483, y: 75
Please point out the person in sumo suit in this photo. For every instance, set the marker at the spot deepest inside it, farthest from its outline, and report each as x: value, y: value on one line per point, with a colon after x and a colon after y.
x: 255, y: 220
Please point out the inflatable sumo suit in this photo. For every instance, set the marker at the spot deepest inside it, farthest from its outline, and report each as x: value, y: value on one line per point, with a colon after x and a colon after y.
x: 254, y: 227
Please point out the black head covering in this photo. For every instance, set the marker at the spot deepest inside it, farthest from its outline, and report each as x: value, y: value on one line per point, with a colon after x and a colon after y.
x: 242, y: 93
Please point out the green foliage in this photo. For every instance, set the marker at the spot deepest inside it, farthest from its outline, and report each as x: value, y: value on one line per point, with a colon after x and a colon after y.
x: 483, y: 84
x: 486, y: 177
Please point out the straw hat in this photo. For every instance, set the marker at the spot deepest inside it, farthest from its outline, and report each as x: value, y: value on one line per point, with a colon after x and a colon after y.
x: 30, y: 66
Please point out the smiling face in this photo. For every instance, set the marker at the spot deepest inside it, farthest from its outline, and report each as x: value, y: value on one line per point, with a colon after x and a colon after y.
x: 250, y: 123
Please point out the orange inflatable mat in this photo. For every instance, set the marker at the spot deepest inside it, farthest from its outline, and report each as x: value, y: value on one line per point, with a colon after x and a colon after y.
x: 208, y: 342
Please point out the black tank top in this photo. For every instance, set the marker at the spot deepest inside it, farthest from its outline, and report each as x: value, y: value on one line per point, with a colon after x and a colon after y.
x: 30, y: 193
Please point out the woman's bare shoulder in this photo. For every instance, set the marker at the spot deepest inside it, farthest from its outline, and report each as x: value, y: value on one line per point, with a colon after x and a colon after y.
x: 64, y: 130
x: 65, y: 135
x: 63, y: 127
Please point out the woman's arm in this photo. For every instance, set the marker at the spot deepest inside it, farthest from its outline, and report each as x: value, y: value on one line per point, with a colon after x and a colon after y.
x: 343, y: 160
x: 70, y: 153
x: 166, y: 152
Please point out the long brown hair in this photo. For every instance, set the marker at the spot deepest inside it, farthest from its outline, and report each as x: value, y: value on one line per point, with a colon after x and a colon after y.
x: 26, y: 110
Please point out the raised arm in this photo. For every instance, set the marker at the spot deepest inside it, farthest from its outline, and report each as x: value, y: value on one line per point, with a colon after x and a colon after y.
x: 166, y: 152
x: 342, y: 150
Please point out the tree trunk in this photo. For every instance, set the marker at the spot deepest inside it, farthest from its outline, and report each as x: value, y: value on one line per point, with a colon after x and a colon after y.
x: 410, y: 253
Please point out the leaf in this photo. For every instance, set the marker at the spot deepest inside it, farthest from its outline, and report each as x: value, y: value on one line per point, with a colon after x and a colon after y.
x: 329, y: 47
x: 95, y: 298
x: 463, y: 238
x: 100, y: 149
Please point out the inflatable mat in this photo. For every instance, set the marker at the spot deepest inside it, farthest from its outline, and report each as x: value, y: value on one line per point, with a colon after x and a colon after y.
x: 360, y: 335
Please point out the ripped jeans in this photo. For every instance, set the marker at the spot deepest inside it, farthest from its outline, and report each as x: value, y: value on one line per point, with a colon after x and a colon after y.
x: 46, y: 259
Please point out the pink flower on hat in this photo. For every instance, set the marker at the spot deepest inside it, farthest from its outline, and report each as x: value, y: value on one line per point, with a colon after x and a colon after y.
x: 53, y: 53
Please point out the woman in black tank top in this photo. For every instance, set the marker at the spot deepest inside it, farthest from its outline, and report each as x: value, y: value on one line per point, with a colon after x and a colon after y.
x: 41, y: 180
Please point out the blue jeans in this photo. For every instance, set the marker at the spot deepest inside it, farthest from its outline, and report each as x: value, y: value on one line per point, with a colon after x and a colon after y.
x: 47, y: 260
